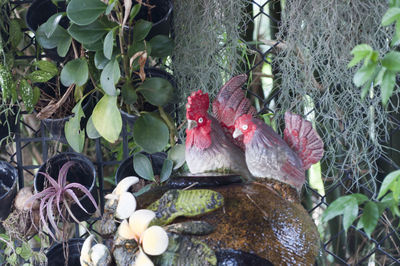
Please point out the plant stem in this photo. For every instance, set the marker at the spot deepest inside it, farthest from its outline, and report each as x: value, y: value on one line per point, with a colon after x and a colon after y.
x: 170, y: 125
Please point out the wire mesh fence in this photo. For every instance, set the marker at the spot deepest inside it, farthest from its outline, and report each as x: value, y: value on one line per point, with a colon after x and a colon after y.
x: 34, y: 144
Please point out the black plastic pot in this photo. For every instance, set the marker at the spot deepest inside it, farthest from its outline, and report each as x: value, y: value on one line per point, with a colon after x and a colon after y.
x: 8, y: 188
x: 38, y: 13
x: 55, y: 255
x: 82, y: 172
x: 160, y: 15
x: 56, y: 125
x: 126, y: 167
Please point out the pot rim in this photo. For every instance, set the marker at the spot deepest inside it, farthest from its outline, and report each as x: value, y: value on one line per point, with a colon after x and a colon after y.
x: 14, y: 176
x: 73, y: 155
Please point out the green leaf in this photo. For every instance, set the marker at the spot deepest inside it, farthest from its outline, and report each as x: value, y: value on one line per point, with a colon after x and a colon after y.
x: 387, y: 183
x: 360, y: 198
x: 350, y: 213
x: 157, y: 91
x: 365, y: 89
x: 150, y: 133
x: 96, y: 46
x: 73, y: 133
x: 39, y: 76
x: 47, y: 66
x: 134, y: 11
x: 166, y: 170
x: 27, y: 95
x: 100, y: 61
x: 364, y: 74
x: 387, y: 85
x: 391, y: 16
x: 63, y: 45
x: 392, y: 61
x: 109, y: 77
x: 161, y: 46
x: 128, y: 93
x: 177, y: 155
x: 15, y: 33
x: 51, y: 24
x: 90, y: 33
x: 85, y: 12
x: 187, y: 203
x: 75, y: 72
x: 144, y: 189
x: 359, y: 52
x: 50, y: 42
x: 337, y: 208
x: 110, y: 7
x: 91, y: 130
x: 107, y: 118
x: 369, y: 218
x: 141, y: 29
x: 143, y: 167
x: 36, y: 95
x: 108, y: 44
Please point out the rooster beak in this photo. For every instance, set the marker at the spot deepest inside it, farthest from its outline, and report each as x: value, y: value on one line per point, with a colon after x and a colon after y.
x: 191, y: 124
x: 237, y: 133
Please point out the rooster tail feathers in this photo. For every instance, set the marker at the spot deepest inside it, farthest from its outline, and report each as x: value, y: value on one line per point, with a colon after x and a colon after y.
x: 303, y: 139
x: 231, y: 102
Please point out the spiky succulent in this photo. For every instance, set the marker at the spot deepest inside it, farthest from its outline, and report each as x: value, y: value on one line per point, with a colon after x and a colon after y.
x: 57, y: 198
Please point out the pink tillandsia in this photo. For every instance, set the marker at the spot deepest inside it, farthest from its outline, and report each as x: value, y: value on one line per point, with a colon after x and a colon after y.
x: 55, y: 195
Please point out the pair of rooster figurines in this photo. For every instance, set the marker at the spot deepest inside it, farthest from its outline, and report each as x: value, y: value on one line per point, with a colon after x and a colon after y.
x: 234, y: 139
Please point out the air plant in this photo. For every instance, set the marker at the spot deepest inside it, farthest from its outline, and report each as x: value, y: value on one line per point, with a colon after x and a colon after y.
x: 58, y: 195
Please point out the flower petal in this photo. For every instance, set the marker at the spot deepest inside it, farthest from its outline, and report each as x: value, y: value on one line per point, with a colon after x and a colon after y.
x: 155, y: 240
x: 87, y: 245
x: 142, y: 260
x: 139, y: 221
x: 125, y: 184
x: 124, y: 230
x: 126, y: 205
x: 100, y: 255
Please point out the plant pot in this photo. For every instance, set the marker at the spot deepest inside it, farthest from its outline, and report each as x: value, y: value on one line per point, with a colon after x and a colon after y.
x: 254, y: 219
x: 55, y: 255
x: 161, y: 16
x: 38, y: 13
x: 56, y: 125
x: 82, y: 172
x: 126, y: 168
x: 8, y: 188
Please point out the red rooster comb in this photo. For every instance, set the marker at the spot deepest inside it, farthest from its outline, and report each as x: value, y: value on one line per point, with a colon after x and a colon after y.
x: 198, y: 103
x: 243, y: 120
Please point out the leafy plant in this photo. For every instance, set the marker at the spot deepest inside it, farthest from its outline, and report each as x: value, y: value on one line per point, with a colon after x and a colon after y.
x: 56, y: 199
x: 114, y: 47
x: 348, y: 206
x: 379, y: 70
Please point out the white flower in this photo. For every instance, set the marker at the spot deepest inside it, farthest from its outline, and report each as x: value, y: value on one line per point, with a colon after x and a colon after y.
x: 152, y: 240
x: 126, y: 201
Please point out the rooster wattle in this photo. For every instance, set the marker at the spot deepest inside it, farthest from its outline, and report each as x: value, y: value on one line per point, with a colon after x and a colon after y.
x: 209, y: 142
x: 269, y: 156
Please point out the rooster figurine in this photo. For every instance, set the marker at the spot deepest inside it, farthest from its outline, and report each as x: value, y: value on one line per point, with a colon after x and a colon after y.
x: 209, y: 142
x: 269, y: 156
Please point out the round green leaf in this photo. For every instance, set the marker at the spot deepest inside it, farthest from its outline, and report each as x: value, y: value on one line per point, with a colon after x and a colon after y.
x: 52, y: 41
x: 73, y: 132
x: 141, y: 29
x: 51, y: 24
x: 161, y: 46
x: 166, y: 170
x: 143, y: 167
x: 92, y: 32
x: 107, y: 118
x: 91, y: 130
x: 108, y: 44
x: 75, y: 71
x: 177, y: 155
x: 86, y: 11
x: 100, y: 61
x: 109, y: 77
x: 157, y: 91
x: 128, y: 93
x: 150, y: 133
